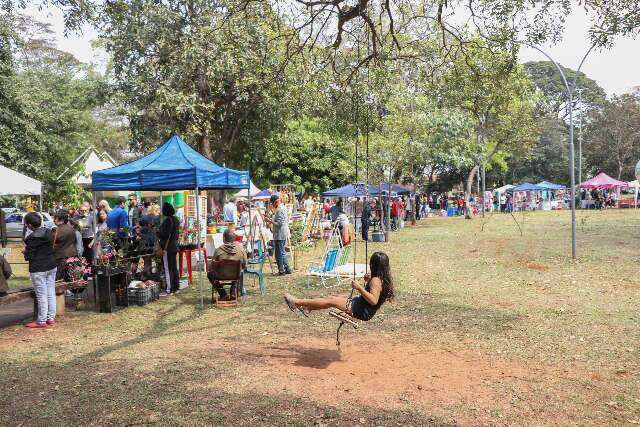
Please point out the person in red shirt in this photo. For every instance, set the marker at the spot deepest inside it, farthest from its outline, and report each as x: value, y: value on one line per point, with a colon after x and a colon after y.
x: 326, y: 208
x: 395, y: 213
x: 460, y: 205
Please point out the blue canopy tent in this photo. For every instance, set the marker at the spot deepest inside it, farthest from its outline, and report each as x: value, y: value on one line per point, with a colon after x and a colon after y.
x: 351, y: 190
x: 172, y: 166
x: 550, y: 186
x: 395, y: 188
x: 526, y: 186
x: 549, y: 189
x: 263, y: 195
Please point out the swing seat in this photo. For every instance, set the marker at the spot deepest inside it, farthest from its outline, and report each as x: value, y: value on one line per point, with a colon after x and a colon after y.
x: 343, y: 317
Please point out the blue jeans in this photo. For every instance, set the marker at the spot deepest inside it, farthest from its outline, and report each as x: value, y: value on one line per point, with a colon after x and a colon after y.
x: 281, y: 256
x: 44, y: 285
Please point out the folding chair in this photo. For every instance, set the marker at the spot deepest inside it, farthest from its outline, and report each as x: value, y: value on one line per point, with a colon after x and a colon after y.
x: 226, y: 272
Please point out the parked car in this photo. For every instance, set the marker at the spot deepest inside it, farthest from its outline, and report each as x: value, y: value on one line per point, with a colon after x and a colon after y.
x: 7, y: 211
x: 15, y: 223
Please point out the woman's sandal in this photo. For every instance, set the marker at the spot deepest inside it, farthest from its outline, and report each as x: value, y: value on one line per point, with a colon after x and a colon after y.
x: 292, y: 306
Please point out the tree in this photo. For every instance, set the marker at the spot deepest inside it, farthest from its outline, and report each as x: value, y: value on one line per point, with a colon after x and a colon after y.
x: 309, y: 154
x: 192, y: 67
x: 12, y: 119
x: 547, y: 161
x: 498, y: 97
x: 53, y: 101
x: 612, y: 138
x: 547, y: 79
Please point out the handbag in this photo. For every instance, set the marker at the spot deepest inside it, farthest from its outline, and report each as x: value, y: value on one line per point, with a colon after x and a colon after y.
x: 158, y: 250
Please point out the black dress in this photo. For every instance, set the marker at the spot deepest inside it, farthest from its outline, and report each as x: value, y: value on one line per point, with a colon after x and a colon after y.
x: 168, y: 236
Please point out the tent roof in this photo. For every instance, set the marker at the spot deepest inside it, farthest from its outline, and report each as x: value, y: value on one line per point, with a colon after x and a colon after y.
x: 603, y: 181
x: 350, y: 190
x: 395, y: 188
x: 551, y: 186
x: 504, y: 188
x: 527, y: 186
x: 262, y: 195
x: 253, y: 190
x: 172, y: 166
x: 15, y: 183
x: 634, y: 184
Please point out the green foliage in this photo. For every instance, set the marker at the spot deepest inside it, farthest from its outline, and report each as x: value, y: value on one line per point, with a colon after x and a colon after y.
x: 612, y: 138
x: 548, y: 80
x: 309, y: 154
x: 51, y: 116
x: 191, y: 67
x: 495, y: 93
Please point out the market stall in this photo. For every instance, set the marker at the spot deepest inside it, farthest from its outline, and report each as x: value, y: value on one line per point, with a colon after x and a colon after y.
x: 525, y: 196
x: 601, y: 181
x: 173, y: 166
x: 552, y: 195
x: 13, y: 183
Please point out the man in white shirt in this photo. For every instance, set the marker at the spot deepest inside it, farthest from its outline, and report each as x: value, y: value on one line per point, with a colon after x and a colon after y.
x: 308, y: 204
x: 230, y: 212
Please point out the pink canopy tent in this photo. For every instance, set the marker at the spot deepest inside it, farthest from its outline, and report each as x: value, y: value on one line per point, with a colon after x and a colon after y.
x: 603, y: 181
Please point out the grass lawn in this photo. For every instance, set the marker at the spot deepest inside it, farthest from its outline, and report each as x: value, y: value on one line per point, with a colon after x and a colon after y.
x: 489, y: 327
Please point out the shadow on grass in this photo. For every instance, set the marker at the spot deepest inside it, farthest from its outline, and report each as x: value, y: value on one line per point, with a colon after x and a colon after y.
x: 446, y: 315
x: 180, y: 393
x: 160, y: 327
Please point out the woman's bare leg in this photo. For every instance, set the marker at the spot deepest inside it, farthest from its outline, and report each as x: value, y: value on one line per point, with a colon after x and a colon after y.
x: 339, y: 302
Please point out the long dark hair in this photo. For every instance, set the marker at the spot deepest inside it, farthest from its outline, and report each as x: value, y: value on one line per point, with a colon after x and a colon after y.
x: 379, y: 265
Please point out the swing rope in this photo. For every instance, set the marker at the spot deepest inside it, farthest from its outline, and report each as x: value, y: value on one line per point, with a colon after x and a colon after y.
x: 355, y: 99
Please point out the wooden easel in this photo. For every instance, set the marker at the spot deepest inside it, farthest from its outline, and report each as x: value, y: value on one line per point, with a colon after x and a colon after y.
x: 258, y: 235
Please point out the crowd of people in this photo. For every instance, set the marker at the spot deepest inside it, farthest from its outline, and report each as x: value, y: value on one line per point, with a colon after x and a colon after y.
x: 79, y: 234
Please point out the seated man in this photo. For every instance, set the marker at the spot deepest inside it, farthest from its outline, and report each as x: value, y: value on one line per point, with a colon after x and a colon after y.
x: 229, y: 250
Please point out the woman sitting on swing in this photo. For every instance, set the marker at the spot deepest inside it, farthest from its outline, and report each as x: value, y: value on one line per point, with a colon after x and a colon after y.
x: 377, y: 289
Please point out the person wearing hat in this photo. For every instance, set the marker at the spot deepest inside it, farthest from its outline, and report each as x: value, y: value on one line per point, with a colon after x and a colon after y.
x: 280, y: 222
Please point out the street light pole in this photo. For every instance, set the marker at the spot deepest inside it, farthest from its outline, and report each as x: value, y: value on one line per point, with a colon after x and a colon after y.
x: 579, y: 90
x: 572, y: 167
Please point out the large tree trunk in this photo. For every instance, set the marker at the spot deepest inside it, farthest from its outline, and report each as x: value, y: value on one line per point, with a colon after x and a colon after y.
x: 467, y: 192
x: 204, y: 146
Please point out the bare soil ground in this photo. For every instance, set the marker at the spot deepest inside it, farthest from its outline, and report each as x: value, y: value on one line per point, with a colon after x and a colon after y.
x: 489, y: 328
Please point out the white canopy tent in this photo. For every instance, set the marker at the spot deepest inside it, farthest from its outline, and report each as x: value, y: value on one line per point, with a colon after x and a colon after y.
x: 503, y: 189
x: 13, y: 183
x: 243, y: 193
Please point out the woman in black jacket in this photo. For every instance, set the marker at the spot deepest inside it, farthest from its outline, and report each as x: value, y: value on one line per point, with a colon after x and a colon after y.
x: 168, y: 239
x: 39, y: 253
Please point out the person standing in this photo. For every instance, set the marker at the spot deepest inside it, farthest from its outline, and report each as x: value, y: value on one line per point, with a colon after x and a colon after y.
x: 308, y: 205
x: 326, y: 208
x: 101, y: 223
x: 133, y: 214
x: 168, y: 236
x: 86, y: 224
x: 39, y: 254
x: 117, y: 218
x: 64, y: 243
x: 280, y: 222
x: 366, y: 220
x: 335, y: 211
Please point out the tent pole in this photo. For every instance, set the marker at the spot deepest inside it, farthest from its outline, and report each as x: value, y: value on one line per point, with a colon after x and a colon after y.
x: 198, y: 246
x: 94, y: 218
x: 251, y: 239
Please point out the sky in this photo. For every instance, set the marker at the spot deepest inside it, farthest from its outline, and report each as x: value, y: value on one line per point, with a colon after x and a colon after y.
x: 617, y: 70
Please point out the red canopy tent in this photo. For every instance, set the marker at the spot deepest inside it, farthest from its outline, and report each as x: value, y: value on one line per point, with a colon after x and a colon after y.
x: 603, y: 181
